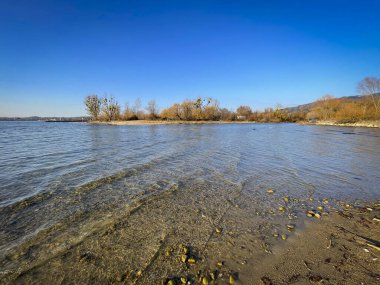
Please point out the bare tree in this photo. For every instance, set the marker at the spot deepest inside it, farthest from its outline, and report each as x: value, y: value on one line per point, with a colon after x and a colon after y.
x: 138, y: 112
x: 211, y: 110
x: 93, y: 104
x: 243, y: 112
x: 171, y: 113
x: 327, y: 106
x: 370, y: 86
x: 129, y: 113
x: 110, y: 109
x: 137, y: 106
x: 227, y: 115
x: 187, y: 107
x: 152, y: 109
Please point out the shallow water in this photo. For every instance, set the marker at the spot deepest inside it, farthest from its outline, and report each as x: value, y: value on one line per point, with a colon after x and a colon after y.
x: 75, y: 178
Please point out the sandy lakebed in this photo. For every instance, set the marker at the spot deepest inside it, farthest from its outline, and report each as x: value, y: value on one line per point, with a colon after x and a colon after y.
x: 190, y: 236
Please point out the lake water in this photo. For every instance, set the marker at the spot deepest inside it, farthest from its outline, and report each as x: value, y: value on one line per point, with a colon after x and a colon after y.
x: 54, y: 173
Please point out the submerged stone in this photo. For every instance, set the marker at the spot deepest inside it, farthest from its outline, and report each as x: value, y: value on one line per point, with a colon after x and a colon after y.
x: 205, y: 281
x: 213, y: 275
x: 183, y: 258
x: 290, y: 227
x: 233, y: 278
x: 168, y: 252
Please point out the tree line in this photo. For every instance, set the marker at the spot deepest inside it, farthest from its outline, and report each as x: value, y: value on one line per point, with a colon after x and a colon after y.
x: 365, y: 107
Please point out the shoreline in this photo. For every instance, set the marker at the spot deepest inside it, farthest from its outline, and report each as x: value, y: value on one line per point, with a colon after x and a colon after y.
x: 363, y: 124
x: 162, y: 122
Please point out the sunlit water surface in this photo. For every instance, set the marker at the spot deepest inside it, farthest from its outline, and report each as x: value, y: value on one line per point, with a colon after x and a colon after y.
x: 50, y: 172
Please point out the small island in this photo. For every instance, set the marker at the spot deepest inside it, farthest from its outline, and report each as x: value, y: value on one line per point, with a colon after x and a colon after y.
x: 358, y: 111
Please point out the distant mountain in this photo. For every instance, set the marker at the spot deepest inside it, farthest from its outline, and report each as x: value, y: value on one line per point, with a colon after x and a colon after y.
x: 309, y: 106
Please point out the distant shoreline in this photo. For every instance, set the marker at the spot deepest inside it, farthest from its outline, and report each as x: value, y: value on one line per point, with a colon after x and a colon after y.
x: 162, y: 122
x: 364, y: 124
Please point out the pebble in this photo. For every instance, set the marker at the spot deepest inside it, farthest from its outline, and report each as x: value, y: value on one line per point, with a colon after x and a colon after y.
x: 270, y: 191
x: 220, y: 263
x: 290, y: 227
x: 205, y: 281
x: 212, y: 275
x: 168, y: 252
x: 284, y: 236
x: 232, y: 279
x: 183, y: 258
x: 265, y: 281
x: 119, y: 278
x: 286, y: 199
x: 191, y: 260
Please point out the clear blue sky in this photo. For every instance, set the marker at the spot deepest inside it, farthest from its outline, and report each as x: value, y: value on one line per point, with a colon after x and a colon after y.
x: 260, y: 53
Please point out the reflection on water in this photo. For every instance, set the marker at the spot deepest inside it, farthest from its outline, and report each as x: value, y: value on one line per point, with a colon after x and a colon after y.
x: 51, y: 172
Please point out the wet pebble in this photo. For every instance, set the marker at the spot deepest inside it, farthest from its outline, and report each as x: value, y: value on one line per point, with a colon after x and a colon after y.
x: 265, y: 281
x: 270, y: 191
x: 183, y: 258
x: 290, y: 227
x: 233, y: 278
